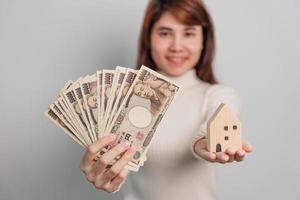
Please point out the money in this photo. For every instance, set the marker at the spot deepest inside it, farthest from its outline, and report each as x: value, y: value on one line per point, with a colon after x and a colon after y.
x: 76, y: 113
x: 108, y: 76
x: 89, y: 89
x: 142, y: 110
x: 126, y: 102
x: 55, y: 119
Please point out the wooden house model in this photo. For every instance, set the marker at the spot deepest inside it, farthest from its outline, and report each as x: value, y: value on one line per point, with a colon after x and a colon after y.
x: 223, y: 130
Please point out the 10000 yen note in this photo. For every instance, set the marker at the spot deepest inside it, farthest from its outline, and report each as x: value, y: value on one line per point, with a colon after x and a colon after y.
x: 62, y: 117
x: 81, y: 109
x: 142, y: 109
x: 99, y: 78
x: 89, y: 88
x: 117, y: 82
x: 72, y: 102
x: 125, y: 102
x: 65, y: 110
x: 123, y: 90
x: 56, y: 115
x: 55, y: 119
x: 107, y: 84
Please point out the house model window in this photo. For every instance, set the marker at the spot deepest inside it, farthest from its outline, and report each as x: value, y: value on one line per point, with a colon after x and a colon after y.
x: 223, y: 130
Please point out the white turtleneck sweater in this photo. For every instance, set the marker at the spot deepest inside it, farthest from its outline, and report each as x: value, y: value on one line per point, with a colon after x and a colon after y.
x: 173, y: 170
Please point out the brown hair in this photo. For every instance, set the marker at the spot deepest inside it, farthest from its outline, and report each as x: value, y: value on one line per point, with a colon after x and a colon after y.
x: 189, y: 12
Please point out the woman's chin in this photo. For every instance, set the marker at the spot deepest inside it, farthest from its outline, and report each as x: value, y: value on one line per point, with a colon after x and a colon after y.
x: 175, y: 71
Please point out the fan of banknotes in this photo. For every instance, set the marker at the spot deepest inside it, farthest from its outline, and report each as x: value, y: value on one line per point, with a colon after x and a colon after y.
x: 126, y: 102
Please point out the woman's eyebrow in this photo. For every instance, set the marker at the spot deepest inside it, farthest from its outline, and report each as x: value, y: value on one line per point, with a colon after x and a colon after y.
x: 164, y: 28
x: 189, y: 28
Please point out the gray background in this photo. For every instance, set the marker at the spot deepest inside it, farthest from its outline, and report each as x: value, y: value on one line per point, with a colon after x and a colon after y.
x: 45, y: 43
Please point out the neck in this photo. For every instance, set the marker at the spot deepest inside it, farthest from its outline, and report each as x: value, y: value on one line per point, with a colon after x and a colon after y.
x: 188, y: 78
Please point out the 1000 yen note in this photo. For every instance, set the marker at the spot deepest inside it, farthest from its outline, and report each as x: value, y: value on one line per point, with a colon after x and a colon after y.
x: 142, y: 110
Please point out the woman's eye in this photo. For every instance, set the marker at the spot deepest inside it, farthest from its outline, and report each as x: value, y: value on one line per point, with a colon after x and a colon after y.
x: 189, y: 34
x: 163, y: 34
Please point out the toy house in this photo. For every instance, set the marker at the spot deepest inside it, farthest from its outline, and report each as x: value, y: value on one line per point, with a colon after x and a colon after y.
x: 223, y: 130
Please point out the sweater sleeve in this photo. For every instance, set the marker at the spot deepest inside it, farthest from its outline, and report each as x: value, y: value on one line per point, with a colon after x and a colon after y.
x: 214, y: 96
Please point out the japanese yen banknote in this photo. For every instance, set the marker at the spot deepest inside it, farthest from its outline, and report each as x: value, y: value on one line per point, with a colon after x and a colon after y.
x: 126, y: 102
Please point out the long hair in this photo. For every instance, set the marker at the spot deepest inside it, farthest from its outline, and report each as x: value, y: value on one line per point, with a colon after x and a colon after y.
x: 188, y: 12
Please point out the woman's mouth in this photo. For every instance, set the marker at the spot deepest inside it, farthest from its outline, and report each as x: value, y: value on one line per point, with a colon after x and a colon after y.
x: 176, y: 60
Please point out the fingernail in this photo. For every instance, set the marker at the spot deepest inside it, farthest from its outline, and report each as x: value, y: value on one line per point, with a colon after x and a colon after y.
x: 225, y: 158
x: 126, y: 144
x: 132, y: 149
x: 241, y: 153
x: 112, y: 136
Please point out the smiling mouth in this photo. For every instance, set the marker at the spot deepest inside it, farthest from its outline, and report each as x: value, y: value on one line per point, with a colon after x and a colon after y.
x: 176, y: 60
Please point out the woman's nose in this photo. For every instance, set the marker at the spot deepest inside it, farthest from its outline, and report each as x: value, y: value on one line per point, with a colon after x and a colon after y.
x: 176, y: 44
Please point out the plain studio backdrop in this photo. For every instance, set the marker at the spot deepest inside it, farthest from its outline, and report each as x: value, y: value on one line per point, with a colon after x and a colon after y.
x: 45, y: 43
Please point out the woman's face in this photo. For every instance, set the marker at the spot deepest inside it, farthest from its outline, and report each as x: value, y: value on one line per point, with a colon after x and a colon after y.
x: 175, y: 47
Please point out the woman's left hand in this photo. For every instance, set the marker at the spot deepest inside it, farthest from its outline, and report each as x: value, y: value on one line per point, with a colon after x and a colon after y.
x: 222, y: 157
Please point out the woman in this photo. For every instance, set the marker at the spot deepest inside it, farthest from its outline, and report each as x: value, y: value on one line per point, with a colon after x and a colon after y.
x: 177, y: 39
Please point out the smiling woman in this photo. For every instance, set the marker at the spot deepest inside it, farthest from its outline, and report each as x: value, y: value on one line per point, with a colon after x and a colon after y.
x: 178, y: 33
x: 179, y: 46
x: 177, y: 39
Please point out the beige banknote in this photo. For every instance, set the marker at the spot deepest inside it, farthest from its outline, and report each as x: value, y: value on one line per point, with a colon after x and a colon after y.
x: 99, y: 76
x: 56, y: 115
x: 65, y: 110
x: 117, y: 82
x: 142, y: 110
x: 71, y: 100
x: 55, y: 119
x: 81, y: 109
x: 123, y: 90
x: 62, y: 117
x: 89, y: 88
x: 107, y: 84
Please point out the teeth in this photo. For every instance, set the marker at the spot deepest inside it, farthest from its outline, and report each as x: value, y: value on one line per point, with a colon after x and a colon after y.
x: 176, y: 59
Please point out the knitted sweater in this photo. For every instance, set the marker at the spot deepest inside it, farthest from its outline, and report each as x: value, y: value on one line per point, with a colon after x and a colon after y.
x: 173, y: 170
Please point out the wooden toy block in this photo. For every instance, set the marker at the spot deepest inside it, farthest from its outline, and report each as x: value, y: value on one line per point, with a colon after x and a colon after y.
x: 223, y: 130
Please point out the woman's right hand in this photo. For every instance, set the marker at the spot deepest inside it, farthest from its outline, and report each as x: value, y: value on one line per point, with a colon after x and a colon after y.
x: 97, y: 169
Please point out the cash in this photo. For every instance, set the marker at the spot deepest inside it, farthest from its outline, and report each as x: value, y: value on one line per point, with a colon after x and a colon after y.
x: 126, y: 102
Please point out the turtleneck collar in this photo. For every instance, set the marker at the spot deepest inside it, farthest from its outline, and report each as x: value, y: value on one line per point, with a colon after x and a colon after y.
x: 187, y: 79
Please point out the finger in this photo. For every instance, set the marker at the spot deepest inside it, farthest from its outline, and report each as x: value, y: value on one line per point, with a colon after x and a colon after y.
x: 106, y: 159
x: 118, y: 180
x: 222, y: 157
x: 111, y: 173
x: 209, y: 156
x: 246, y: 146
x: 231, y: 153
x: 203, y: 152
x: 115, y: 152
x: 93, y: 149
x: 240, y: 155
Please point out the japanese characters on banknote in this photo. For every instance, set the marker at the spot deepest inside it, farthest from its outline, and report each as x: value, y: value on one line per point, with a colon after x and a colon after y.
x: 126, y: 102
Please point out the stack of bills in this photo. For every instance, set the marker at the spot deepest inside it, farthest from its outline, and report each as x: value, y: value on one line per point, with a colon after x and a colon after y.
x: 126, y: 102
